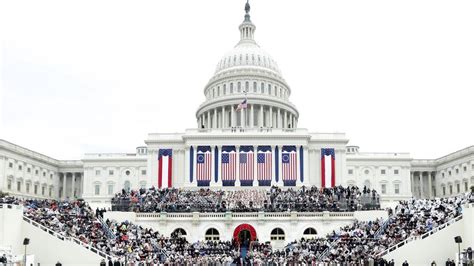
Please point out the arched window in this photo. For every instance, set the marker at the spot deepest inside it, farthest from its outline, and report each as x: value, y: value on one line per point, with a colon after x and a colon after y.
x: 262, y: 88
x: 218, y: 90
x: 225, y: 90
x: 309, y: 232
x: 277, y: 234
x: 231, y: 88
x: 255, y: 87
x: 212, y: 234
x: 247, y: 86
x: 178, y: 232
x: 269, y: 89
x: 126, y: 186
x: 238, y: 87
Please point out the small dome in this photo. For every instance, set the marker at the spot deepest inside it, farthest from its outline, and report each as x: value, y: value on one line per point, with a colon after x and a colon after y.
x: 247, y: 55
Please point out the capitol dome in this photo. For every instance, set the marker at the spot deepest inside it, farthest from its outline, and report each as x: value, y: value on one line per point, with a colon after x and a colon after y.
x: 247, y: 54
x: 247, y: 89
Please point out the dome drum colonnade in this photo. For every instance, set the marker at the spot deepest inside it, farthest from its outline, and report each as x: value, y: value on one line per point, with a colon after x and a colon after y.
x: 247, y: 72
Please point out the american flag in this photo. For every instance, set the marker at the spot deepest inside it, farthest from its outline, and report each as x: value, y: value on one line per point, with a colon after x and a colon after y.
x: 246, y: 166
x: 264, y: 166
x: 289, y: 165
x: 242, y: 105
x: 204, y: 166
x: 228, y: 166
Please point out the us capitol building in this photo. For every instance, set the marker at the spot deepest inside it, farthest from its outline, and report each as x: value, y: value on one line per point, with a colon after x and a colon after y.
x: 246, y: 136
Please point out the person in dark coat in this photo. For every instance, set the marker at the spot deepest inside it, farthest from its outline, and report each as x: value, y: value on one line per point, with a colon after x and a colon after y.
x: 110, y: 263
x: 405, y: 263
x: 102, y: 263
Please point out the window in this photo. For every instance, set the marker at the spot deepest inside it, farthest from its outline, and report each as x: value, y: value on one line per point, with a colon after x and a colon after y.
x: 97, y: 172
x: 218, y: 90
x: 36, y: 172
x: 350, y: 171
x: 277, y: 234
x: 396, y: 171
x: 309, y: 232
x: 449, y: 173
x: 262, y: 88
x: 27, y: 187
x: 127, y: 172
x: 384, y: 188
x: 397, y: 188
x: 382, y: 171
x: 9, y: 185
x: 212, y: 235
x: 464, y: 168
x: 51, y: 176
x: 247, y: 86
x: 110, y: 189
x: 179, y: 232
x: 50, y: 191
x: 239, y: 88
x: 43, y: 189
x: 143, y: 172
x: 465, y: 186
x: 366, y: 171
x: 111, y: 172
x: 36, y: 189
x: 44, y: 174
x: 225, y: 89
x: 20, y: 167
x: 10, y: 165
x: 442, y: 174
x: 231, y: 87
x: 458, y: 187
x: 97, y: 189
x: 457, y: 171
x: 255, y: 86
x: 450, y: 189
x: 18, y: 186
x: 28, y: 170
x: 444, y: 191
x: 126, y: 185
x: 269, y: 89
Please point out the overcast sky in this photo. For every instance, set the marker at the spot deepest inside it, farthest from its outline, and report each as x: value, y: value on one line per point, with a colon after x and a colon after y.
x: 98, y: 76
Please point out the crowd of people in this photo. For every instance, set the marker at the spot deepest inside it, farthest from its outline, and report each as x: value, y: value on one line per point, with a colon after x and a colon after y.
x: 357, y: 243
x: 276, y: 199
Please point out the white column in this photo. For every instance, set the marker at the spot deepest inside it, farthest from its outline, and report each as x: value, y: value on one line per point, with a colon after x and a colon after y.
x: 270, y: 114
x: 251, y: 116
x: 278, y: 118
x: 255, y: 182
x: 63, y: 196
x: 223, y: 117
x: 237, y: 170
x: 285, y: 122
x: 412, y: 185
x: 280, y: 177
x: 421, y: 184
x: 73, y: 186
x: 430, y: 185
x: 219, y: 163
x: 208, y: 119
x: 214, y: 120
x: 232, y: 116
x: 260, y: 122
x: 186, y: 166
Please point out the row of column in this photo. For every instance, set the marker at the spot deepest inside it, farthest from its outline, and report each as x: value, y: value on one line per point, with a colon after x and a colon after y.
x: 71, y: 192
x: 419, y: 190
x: 219, y: 117
x: 237, y: 171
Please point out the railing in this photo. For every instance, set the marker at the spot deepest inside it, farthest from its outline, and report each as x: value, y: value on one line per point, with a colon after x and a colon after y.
x: 423, y: 236
x: 383, y: 227
x: 223, y: 215
x: 68, y: 238
x: 106, y: 228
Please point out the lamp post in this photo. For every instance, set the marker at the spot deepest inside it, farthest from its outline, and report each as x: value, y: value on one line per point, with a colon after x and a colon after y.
x: 458, y: 240
x: 26, y: 242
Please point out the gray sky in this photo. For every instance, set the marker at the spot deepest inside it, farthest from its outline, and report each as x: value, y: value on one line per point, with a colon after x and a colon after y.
x: 98, y: 76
